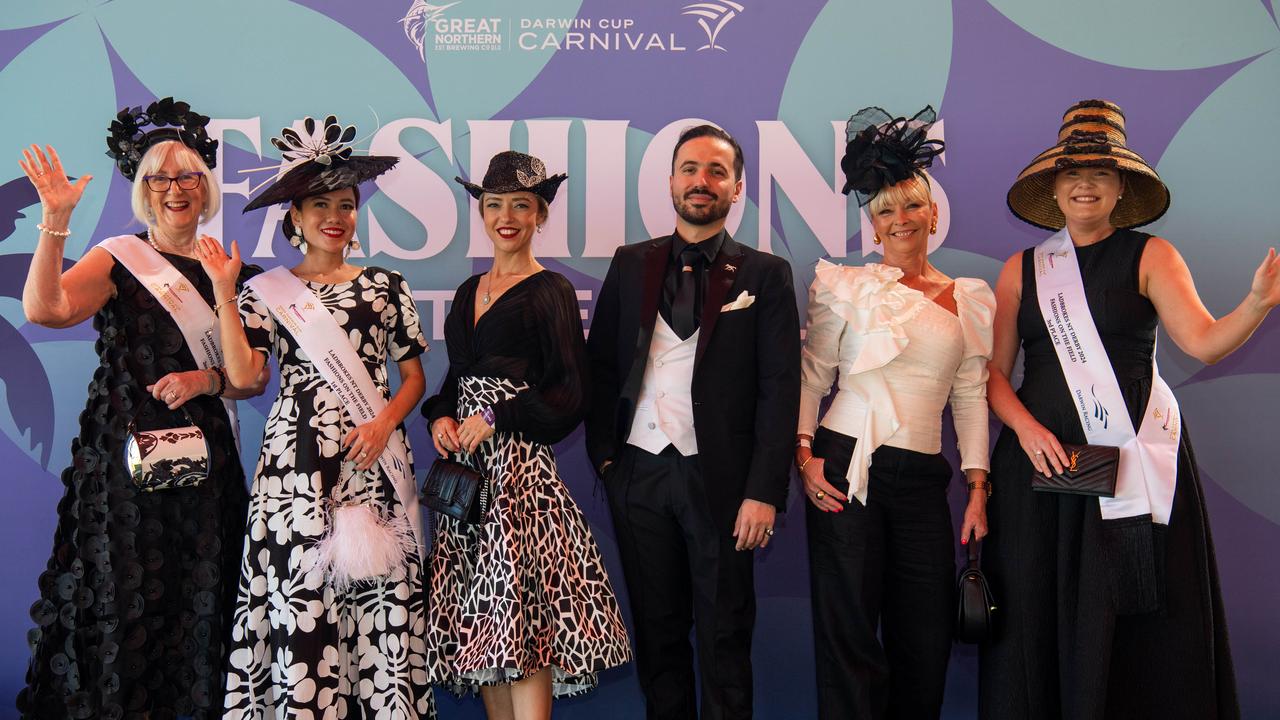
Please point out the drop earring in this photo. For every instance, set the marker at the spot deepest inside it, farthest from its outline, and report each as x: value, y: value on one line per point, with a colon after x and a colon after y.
x: 877, y: 239
x: 933, y: 229
x: 297, y: 240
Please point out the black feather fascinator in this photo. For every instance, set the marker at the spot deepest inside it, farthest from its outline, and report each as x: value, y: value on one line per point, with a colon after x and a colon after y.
x: 883, y: 150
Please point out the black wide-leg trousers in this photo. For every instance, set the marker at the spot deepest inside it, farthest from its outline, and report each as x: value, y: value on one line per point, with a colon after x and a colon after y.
x: 682, y: 574
x: 887, y: 566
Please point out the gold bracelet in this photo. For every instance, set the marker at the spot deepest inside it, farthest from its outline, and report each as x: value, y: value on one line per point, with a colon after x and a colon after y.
x: 984, y: 484
x: 218, y: 307
x: 800, y: 467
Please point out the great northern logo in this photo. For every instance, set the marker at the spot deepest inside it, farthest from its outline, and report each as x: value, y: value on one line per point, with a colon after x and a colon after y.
x: 712, y: 17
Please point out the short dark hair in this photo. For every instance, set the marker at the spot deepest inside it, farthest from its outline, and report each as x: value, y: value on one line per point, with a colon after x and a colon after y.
x: 698, y: 131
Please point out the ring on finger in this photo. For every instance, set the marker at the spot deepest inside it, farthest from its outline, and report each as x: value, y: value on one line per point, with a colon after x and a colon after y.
x: 1039, y: 452
x: 820, y: 495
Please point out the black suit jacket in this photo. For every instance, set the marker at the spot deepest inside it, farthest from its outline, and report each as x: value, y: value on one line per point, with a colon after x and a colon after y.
x: 746, y: 375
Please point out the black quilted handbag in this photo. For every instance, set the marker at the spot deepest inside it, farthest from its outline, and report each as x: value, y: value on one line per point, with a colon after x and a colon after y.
x: 975, y: 604
x: 456, y: 490
x: 1091, y: 470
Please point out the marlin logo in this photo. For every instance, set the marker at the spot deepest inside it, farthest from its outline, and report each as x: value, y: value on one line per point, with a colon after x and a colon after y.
x: 294, y: 308
x: 719, y: 13
x: 1099, y: 410
x: 415, y: 21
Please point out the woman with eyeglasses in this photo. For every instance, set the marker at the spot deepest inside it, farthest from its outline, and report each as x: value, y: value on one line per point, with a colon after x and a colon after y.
x: 135, y: 602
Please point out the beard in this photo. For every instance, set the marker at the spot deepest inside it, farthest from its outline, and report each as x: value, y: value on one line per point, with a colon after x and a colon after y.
x: 715, y: 211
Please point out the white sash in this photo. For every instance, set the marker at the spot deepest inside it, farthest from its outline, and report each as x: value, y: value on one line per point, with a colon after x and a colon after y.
x: 325, y: 342
x: 1149, y: 457
x: 177, y: 295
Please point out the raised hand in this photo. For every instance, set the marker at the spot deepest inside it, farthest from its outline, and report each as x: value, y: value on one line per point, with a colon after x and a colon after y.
x: 223, y: 270
x: 57, y: 195
x: 1266, y: 281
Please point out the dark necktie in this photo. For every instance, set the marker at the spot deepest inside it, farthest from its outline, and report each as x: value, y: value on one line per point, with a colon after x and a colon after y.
x: 684, y: 317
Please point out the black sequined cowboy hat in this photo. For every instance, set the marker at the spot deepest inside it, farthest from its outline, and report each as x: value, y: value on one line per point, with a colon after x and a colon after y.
x: 511, y: 171
x: 1092, y: 135
x: 318, y: 161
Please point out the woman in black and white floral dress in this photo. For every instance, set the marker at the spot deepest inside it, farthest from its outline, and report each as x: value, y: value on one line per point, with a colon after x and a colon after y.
x: 521, y: 605
x: 303, y: 645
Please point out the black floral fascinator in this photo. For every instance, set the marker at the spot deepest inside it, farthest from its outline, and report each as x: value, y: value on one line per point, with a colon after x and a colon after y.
x: 511, y: 171
x: 316, y: 161
x: 883, y: 150
x: 173, y: 120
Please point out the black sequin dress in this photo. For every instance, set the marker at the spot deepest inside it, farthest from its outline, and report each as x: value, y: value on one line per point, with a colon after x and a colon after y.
x: 132, y: 618
x: 1080, y: 634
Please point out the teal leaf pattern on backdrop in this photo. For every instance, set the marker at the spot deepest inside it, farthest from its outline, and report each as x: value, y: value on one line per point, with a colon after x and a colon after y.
x: 1241, y: 462
x: 1221, y: 172
x: 286, y: 61
x: 31, y: 14
x: 895, y: 55
x: 41, y: 75
x: 470, y: 85
x: 1150, y: 34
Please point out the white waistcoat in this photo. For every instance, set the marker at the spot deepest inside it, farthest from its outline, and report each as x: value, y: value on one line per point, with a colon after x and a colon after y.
x: 664, y: 409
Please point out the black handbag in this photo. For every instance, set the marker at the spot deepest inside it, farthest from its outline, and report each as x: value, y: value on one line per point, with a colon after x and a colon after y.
x: 975, y: 604
x: 456, y: 490
x: 1091, y: 470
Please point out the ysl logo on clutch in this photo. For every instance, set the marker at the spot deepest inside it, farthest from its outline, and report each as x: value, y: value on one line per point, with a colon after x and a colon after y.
x: 1075, y: 455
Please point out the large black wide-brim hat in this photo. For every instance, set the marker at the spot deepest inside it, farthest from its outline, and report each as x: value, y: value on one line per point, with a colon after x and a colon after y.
x: 325, y: 163
x: 313, y: 178
x: 1092, y: 134
x: 510, y: 171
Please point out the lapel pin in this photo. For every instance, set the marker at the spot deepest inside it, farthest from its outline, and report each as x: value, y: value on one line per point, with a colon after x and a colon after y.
x: 730, y: 268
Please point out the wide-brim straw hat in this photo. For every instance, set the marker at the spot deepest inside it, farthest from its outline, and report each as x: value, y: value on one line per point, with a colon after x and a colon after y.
x: 1092, y: 135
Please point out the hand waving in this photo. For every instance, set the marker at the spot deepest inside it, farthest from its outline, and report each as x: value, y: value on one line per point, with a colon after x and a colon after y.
x: 57, y: 194
x: 221, y: 268
x: 1266, y: 281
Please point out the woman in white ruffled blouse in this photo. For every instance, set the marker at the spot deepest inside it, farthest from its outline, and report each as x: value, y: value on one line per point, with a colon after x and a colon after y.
x: 898, y: 340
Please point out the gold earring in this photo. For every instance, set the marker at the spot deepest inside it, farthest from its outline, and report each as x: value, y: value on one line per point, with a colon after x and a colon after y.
x: 933, y: 229
x: 877, y: 239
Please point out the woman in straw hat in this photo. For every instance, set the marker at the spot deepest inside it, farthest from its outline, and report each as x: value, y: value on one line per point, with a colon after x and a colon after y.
x: 1109, y: 602
x: 522, y: 608
x: 900, y: 340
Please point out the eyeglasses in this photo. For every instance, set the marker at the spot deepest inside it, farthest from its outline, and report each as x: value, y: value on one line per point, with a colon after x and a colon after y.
x: 186, y: 181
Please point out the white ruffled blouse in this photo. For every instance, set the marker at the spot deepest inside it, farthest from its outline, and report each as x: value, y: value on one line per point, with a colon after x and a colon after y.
x: 897, y: 358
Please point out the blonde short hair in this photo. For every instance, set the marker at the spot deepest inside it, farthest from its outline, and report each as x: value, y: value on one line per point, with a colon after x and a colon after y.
x: 913, y: 189
x: 188, y: 161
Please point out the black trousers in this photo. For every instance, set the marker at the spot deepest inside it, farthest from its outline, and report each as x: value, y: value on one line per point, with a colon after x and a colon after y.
x: 682, y: 573
x: 887, y: 565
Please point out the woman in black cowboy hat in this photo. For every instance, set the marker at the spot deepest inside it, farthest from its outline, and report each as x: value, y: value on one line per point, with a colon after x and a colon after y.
x: 331, y: 608
x: 522, y: 608
x: 137, y: 595
x: 1109, y: 606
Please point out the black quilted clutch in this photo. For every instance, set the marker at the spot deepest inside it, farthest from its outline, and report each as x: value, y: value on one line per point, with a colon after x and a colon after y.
x: 1091, y: 471
x: 457, y: 491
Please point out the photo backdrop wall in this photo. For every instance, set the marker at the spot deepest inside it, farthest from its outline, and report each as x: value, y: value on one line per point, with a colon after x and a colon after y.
x: 600, y: 89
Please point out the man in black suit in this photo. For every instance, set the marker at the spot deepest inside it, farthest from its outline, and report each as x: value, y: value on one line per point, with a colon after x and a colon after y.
x: 695, y: 363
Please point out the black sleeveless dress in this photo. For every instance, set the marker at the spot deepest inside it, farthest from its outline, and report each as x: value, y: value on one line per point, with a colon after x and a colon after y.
x: 134, y: 606
x: 1084, y: 631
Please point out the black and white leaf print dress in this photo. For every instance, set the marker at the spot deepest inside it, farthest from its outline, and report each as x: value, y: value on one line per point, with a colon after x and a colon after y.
x: 527, y: 589
x: 299, y: 649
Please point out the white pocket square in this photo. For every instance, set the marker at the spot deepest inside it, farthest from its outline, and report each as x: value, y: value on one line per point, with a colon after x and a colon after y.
x: 743, y: 300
